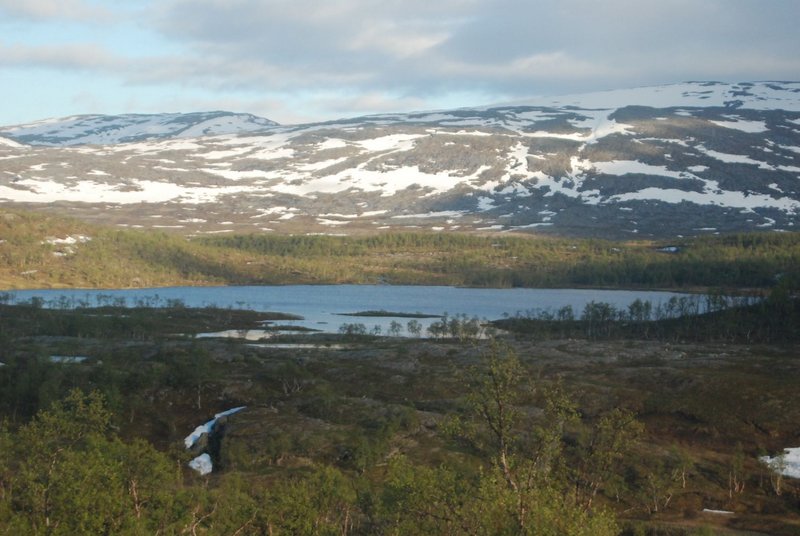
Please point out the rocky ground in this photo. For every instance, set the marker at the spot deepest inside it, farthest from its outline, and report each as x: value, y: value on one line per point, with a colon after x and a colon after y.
x: 659, y: 162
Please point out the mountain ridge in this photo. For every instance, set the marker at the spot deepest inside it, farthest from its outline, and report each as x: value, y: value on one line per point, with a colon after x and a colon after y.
x: 715, y: 157
x: 784, y: 95
x: 98, y: 129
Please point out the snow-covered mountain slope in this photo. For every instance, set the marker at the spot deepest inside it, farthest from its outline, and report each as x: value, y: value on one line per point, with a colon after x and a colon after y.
x: 668, y: 168
x: 520, y: 115
x: 113, y: 129
x: 745, y: 95
x: 5, y: 142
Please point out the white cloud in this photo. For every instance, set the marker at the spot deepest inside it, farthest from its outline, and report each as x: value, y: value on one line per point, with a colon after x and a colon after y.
x: 514, y: 46
x: 361, y: 56
x: 70, y: 56
x: 558, y: 65
x: 374, y: 101
x: 401, y: 44
x: 77, y: 10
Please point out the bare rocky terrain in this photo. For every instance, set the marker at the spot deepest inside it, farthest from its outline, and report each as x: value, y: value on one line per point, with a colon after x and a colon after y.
x: 675, y: 160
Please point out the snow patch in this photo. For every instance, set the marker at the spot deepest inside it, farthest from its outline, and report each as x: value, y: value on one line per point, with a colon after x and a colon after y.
x: 758, y: 96
x: 331, y: 143
x: 485, y: 204
x: 786, y: 463
x: 5, y: 142
x: 65, y: 246
x: 441, y: 214
x: 367, y: 214
x: 137, y: 191
x: 206, y: 428
x: 394, y: 142
x: 68, y: 241
x: 599, y: 129
x: 734, y: 158
x: 104, y: 129
x: 318, y: 166
x: 67, y: 359
x: 626, y: 167
x: 202, y: 464
x: 751, y: 127
x: 237, y: 175
x: 230, y: 153
x: 712, y: 195
x: 324, y: 221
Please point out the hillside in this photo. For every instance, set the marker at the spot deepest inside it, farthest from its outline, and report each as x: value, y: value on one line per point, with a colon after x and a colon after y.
x: 40, y: 251
x: 658, y: 162
x: 109, y: 129
x: 360, y: 434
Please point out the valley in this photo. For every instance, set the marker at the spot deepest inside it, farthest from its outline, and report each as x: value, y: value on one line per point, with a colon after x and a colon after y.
x: 654, y: 418
x: 573, y: 315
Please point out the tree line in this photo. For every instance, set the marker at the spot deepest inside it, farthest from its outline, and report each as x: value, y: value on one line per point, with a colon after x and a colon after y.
x: 702, y: 318
x: 114, y: 258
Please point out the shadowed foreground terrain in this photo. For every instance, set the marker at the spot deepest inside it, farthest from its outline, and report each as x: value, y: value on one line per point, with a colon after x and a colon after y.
x: 537, y: 432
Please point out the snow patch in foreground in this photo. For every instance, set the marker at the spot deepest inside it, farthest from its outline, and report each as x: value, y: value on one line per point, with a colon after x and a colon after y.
x: 202, y: 464
x: 787, y: 464
x: 206, y: 428
x: 68, y: 241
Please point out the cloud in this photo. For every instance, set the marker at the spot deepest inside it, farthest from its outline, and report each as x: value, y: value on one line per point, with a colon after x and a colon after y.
x: 558, y: 65
x: 385, y: 37
x: 220, y: 72
x: 44, y: 10
x: 361, y: 56
x: 373, y: 101
x: 326, y: 36
x: 515, y: 46
x: 86, y: 57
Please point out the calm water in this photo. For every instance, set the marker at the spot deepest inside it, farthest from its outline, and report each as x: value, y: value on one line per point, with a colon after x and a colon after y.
x: 322, y: 306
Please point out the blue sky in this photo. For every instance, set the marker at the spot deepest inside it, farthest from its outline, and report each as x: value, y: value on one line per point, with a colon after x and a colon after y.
x: 304, y: 60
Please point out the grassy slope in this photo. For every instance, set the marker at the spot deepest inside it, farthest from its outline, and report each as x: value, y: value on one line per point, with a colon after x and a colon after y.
x: 120, y: 259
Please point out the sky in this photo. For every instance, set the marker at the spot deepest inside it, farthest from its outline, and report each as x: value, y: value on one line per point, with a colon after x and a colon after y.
x: 297, y: 61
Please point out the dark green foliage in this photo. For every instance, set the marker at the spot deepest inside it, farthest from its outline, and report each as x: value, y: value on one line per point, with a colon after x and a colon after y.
x: 357, y: 440
x: 527, y: 488
x: 753, y: 260
x: 70, y: 475
x: 68, y: 472
x: 775, y: 319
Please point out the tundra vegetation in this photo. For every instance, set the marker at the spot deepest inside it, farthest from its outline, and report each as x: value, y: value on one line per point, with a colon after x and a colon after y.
x: 600, y: 421
x: 33, y: 255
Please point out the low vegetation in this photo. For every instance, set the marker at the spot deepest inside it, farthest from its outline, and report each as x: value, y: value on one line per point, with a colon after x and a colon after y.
x: 636, y: 420
x: 548, y: 433
x: 32, y: 257
x: 710, y: 318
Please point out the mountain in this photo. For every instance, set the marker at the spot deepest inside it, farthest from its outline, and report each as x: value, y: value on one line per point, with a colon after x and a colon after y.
x: 114, y: 129
x: 5, y: 142
x: 664, y: 161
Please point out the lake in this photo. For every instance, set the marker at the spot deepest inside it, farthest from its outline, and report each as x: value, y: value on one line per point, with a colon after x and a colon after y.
x: 322, y: 306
